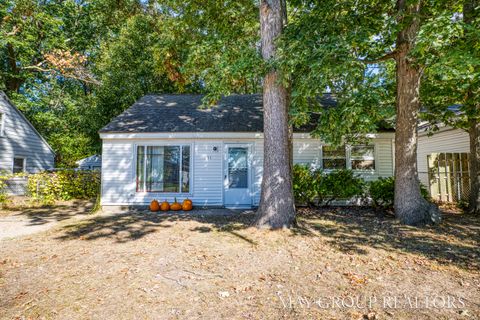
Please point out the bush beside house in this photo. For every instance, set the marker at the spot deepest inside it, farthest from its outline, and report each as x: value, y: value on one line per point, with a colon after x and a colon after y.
x: 313, y: 187
x: 48, y: 187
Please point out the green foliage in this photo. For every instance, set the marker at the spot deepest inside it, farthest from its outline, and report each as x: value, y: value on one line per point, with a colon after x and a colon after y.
x: 3, y: 194
x: 340, y: 184
x: 64, y: 185
x: 310, y: 185
x: 453, y: 74
x: 71, y: 66
x: 304, y: 184
x: 382, y: 192
x: 318, y: 56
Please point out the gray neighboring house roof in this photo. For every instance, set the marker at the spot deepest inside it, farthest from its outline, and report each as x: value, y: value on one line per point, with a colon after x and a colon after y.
x: 184, y: 113
x: 92, y: 161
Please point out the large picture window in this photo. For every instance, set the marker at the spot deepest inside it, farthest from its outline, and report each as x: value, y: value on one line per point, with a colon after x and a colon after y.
x: 334, y: 158
x: 362, y: 157
x: 163, y: 169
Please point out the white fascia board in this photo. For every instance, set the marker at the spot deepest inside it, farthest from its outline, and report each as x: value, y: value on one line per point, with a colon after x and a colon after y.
x: 441, y: 128
x: 216, y: 135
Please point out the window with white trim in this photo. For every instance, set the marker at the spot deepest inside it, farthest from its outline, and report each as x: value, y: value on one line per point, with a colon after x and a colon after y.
x: 18, y: 165
x: 163, y: 169
x: 334, y: 157
x: 362, y: 157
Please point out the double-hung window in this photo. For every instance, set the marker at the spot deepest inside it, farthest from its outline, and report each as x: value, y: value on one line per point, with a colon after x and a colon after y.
x: 163, y: 169
x: 356, y: 157
x: 334, y: 157
x: 362, y: 157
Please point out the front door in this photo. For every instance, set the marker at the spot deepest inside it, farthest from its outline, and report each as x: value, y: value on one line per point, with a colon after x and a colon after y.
x: 237, y: 176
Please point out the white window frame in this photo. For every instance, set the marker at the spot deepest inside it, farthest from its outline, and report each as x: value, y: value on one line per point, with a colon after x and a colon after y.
x: 165, y: 193
x: 348, y: 158
x: 374, y: 158
x: 24, y: 167
x: 322, y: 153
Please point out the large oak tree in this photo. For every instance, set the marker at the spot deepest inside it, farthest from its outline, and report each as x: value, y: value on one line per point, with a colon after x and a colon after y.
x: 372, y: 55
x: 277, y: 208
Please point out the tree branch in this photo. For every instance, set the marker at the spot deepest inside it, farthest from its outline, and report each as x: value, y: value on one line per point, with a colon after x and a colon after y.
x: 81, y: 78
x: 390, y: 55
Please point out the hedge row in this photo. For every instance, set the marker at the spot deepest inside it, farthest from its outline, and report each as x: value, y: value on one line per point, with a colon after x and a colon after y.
x: 64, y: 185
x: 315, y: 187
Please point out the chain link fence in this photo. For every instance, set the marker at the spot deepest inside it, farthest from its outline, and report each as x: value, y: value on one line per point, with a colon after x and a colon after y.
x: 17, y: 186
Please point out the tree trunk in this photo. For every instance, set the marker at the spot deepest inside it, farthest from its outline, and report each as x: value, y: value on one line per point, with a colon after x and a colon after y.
x: 474, y: 166
x: 470, y: 12
x: 410, y: 207
x: 12, y: 79
x: 276, y: 209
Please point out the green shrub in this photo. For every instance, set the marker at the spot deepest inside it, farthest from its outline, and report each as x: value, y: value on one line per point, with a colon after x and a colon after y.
x: 311, y: 185
x: 64, y: 185
x: 382, y: 192
x: 339, y: 185
x: 3, y: 193
x: 304, y: 184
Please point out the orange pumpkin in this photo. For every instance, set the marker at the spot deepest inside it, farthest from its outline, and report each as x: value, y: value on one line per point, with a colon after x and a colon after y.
x: 187, y: 205
x: 154, y: 206
x: 175, y: 206
x: 165, y: 206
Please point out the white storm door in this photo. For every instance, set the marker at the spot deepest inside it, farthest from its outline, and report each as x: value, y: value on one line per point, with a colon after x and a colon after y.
x: 237, y: 175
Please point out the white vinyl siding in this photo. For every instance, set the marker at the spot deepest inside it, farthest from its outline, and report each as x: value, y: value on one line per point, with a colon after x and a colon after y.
x: 118, y: 175
x: 448, y: 140
x: 20, y: 140
x: 307, y: 151
x: 207, y: 168
x: 257, y: 170
x: 208, y: 173
x: 2, y: 121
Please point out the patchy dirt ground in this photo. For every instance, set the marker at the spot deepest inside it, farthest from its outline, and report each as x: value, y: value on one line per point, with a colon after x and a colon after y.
x: 338, y: 264
x: 23, y: 217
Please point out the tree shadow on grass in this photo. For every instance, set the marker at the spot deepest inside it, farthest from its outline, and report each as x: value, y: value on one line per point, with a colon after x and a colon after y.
x: 348, y: 229
x: 51, y: 213
x: 135, y: 225
x: 354, y: 230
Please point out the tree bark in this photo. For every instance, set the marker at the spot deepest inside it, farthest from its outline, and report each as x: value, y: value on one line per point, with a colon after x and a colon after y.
x: 474, y: 166
x: 12, y: 81
x: 410, y: 207
x: 277, y: 208
x: 470, y: 12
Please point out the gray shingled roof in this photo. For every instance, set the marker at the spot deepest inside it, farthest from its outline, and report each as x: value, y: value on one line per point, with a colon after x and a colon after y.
x: 184, y: 113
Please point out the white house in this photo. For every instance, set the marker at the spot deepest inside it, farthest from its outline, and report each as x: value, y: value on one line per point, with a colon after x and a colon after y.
x: 442, y: 160
x: 167, y: 146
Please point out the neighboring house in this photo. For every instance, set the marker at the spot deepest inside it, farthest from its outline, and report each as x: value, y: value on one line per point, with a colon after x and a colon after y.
x: 22, y: 148
x: 90, y: 163
x: 167, y: 146
x: 442, y: 160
